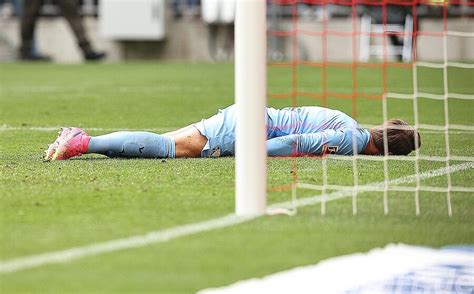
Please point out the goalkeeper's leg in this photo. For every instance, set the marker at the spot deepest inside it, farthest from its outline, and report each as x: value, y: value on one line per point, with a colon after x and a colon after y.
x: 133, y: 144
x: 74, y: 142
x: 188, y: 142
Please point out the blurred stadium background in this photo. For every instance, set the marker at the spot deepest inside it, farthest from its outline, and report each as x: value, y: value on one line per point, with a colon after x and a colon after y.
x: 194, y: 31
x: 170, y: 63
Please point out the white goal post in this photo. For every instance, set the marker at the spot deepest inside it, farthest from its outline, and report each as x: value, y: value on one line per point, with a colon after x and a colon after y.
x: 250, y: 100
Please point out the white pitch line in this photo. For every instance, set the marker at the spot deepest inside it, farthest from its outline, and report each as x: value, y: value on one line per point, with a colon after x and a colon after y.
x: 4, y: 128
x: 403, y: 180
x: 51, y: 129
x: 62, y: 256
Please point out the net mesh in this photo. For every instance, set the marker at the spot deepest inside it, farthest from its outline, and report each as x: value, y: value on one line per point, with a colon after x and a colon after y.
x: 397, y: 55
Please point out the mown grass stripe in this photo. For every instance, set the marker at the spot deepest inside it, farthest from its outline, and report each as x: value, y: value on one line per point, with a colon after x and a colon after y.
x: 62, y: 256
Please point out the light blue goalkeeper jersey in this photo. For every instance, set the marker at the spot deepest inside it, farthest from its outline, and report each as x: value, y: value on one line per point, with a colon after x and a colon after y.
x: 298, y: 131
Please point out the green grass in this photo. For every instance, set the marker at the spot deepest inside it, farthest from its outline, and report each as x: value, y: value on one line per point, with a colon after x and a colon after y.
x: 58, y: 205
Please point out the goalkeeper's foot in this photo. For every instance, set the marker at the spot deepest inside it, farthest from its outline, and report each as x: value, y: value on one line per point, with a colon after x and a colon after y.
x: 71, y: 142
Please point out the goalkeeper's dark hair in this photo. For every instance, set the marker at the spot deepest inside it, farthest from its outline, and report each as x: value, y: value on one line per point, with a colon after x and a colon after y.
x: 401, y: 137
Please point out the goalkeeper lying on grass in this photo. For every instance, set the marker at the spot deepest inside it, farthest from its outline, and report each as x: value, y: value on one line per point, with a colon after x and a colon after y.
x: 302, y: 131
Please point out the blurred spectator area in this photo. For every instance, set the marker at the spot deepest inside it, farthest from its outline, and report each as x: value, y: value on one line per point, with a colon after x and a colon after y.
x: 49, y: 7
x: 190, y: 38
x: 87, y: 7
